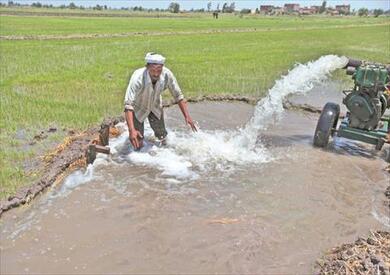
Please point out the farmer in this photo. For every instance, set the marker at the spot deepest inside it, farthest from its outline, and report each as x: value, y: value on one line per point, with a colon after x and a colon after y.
x: 143, y: 100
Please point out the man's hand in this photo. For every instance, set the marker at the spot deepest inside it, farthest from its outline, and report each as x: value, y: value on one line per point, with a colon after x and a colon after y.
x: 134, y: 135
x: 136, y: 139
x: 183, y: 107
x: 191, y: 123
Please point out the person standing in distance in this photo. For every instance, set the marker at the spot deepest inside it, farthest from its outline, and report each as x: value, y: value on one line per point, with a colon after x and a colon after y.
x: 143, y: 100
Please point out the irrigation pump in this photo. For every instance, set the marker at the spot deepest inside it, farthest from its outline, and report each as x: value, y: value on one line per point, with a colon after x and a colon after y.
x: 366, y: 104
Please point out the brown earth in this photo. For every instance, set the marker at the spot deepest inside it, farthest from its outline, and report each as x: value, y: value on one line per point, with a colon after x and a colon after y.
x: 85, y: 14
x: 364, y: 256
x: 67, y: 156
x: 148, y: 33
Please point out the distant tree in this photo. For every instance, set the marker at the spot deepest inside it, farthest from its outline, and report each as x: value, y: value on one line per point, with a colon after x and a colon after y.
x: 257, y: 10
x: 208, y: 6
x: 323, y: 7
x: 140, y: 8
x: 105, y: 7
x: 98, y: 7
x: 224, y: 7
x: 343, y: 12
x: 232, y: 7
x: 218, y: 7
x: 245, y: 11
x: 36, y: 5
x: 363, y: 12
x: 228, y: 8
x: 378, y: 12
x: 10, y: 3
x: 72, y: 6
x: 174, y: 7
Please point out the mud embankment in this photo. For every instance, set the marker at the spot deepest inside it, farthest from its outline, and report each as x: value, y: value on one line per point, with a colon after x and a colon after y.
x: 67, y: 156
x: 364, y: 256
x: 169, y: 33
x: 88, y: 14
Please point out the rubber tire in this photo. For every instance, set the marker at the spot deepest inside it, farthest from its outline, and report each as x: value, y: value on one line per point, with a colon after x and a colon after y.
x: 384, y: 102
x: 327, y: 121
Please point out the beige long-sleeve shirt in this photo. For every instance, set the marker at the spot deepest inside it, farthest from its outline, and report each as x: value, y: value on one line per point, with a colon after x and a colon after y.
x: 143, y: 98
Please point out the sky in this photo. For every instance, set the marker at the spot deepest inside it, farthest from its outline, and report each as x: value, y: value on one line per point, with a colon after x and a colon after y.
x: 198, y: 4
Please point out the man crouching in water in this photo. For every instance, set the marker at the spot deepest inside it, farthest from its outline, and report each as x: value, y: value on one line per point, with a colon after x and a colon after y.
x: 143, y: 100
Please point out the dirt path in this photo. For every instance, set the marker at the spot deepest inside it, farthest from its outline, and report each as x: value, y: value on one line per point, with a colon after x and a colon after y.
x: 364, y: 256
x: 89, y: 14
x: 148, y: 33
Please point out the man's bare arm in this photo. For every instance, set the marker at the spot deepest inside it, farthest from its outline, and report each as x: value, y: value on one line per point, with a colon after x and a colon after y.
x: 183, y: 107
x: 134, y: 135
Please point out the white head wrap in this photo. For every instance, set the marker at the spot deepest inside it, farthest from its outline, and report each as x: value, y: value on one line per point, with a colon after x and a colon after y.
x: 154, y: 58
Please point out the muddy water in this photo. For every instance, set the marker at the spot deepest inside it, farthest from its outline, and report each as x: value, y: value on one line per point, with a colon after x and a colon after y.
x: 246, y: 194
x: 274, y: 215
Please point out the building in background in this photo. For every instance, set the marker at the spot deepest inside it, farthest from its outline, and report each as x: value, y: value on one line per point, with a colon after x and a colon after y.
x: 343, y: 9
x: 291, y: 8
x: 307, y: 11
x: 266, y: 9
x: 316, y: 8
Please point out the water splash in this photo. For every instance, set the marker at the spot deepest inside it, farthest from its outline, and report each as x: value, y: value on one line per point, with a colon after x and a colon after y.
x: 300, y: 80
x: 225, y: 150
x: 77, y: 177
x: 188, y: 155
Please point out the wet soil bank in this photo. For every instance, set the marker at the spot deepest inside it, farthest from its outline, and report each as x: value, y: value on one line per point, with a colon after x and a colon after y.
x: 364, y: 256
x: 131, y: 34
x: 64, y: 158
x: 87, y: 14
x: 369, y: 255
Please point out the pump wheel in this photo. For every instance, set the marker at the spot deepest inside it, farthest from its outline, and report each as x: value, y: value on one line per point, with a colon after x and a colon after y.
x: 327, y: 121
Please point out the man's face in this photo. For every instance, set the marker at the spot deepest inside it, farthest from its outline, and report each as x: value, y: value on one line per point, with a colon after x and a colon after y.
x: 155, y: 71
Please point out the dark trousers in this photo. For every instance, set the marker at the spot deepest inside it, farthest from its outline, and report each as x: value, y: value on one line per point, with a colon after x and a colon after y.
x: 157, y: 125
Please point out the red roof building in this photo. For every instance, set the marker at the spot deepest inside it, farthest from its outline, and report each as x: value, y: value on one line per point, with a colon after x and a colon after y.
x: 266, y: 8
x: 291, y: 7
x: 343, y: 8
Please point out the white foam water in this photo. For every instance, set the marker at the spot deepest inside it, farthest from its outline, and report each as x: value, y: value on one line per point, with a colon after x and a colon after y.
x: 299, y: 80
x: 188, y: 155
x: 224, y: 150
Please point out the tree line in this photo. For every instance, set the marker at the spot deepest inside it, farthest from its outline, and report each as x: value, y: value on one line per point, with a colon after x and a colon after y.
x: 174, y: 7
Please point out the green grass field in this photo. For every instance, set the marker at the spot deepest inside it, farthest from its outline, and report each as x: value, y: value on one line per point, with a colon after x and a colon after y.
x: 62, y: 25
x: 75, y: 83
